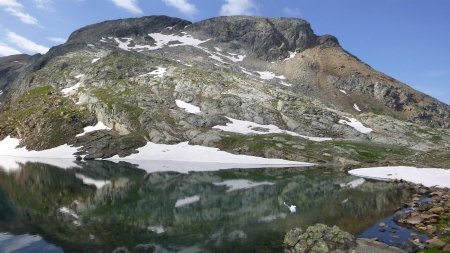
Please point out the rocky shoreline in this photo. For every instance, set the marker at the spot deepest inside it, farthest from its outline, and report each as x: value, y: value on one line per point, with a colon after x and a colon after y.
x: 428, y: 213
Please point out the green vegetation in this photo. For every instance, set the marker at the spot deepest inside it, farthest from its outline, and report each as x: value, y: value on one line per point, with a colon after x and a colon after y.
x: 44, y: 118
x: 317, y: 151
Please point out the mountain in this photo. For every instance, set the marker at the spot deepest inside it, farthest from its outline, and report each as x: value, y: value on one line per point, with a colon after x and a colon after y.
x: 246, y: 85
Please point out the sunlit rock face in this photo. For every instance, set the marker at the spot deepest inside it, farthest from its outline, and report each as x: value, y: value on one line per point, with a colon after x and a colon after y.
x: 220, y: 209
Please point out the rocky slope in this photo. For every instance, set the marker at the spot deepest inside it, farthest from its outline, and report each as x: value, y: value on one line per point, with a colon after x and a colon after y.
x: 130, y: 73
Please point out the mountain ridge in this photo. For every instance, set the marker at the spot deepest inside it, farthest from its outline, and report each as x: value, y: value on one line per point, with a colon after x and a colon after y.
x: 128, y: 74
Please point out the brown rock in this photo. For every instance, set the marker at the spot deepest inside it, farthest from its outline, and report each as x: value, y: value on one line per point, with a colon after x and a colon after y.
x: 415, y: 220
x: 433, y: 221
x: 447, y: 247
x: 431, y: 229
x: 436, y: 243
x: 437, y: 210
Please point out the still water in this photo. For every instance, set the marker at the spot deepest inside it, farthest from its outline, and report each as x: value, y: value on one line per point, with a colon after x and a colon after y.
x: 104, y: 206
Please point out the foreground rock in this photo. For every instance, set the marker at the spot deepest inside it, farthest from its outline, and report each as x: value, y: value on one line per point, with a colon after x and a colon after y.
x: 322, y: 239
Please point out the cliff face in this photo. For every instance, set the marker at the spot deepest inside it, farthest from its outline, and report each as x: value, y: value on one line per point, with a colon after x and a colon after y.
x: 130, y: 74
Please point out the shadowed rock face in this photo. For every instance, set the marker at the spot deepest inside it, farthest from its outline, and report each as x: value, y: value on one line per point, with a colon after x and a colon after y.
x: 10, y: 67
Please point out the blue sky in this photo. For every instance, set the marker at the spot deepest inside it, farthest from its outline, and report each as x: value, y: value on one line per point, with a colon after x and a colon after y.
x: 406, y: 39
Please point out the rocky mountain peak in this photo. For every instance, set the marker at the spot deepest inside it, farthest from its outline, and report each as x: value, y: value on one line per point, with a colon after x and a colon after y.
x: 263, y: 38
x: 126, y: 27
x: 267, y: 39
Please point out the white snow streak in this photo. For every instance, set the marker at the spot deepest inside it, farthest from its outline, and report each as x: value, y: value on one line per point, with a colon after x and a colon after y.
x: 159, y: 72
x: 190, y: 108
x: 187, y: 201
x: 266, y: 75
x: 99, y: 126
x: 356, y: 107
x: 358, y: 126
x: 248, y: 127
x: 90, y: 181
x: 239, y: 184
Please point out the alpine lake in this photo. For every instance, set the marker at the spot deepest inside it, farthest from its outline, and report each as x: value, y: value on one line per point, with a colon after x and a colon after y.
x: 102, y: 206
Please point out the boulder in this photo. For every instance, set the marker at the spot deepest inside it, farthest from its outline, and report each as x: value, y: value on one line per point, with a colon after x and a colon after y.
x: 322, y: 239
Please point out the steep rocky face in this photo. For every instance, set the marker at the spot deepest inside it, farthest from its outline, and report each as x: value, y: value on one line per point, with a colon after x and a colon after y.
x: 131, y: 75
x: 267, y: 39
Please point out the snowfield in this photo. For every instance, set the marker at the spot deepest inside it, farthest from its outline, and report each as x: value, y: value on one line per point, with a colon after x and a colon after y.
x: 184, y: 152
x: 248, y: 127
x: 153, y: 157
x: 358, y: 126
x: 426, y: 176
x: 8, y: 147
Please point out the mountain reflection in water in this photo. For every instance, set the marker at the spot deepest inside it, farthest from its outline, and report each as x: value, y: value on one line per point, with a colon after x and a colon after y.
x: 100, y: 205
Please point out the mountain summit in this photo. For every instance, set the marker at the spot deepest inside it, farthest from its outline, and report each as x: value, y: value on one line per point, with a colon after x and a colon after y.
x: 249, y: 85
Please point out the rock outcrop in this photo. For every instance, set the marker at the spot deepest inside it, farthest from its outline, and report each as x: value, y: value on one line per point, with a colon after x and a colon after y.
x: 323, y: 239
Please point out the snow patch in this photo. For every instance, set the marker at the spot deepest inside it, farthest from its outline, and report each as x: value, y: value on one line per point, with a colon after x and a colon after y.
x: 356, y: 107
x: 354, y: 183
x: 13, y: 163
x: 240, y: 184
x: 286, y: 84
x: 159, y: 72
x: 95, y: 60
x: 184, y: 157
x: 343, y: 91
x: 90, y: 181
x: 68, y: 211
x: 79, y: 76
x: 428, y: 177
x: 187, y: 201
x: 190, y: 108
x: 68, y: 91
x: 358, y: 126
x: 8, y: 147
x: 88, y: 129
x: 248, y: 127
x: 156, y: 229
x: 291, y: 55
x: 267, y: 75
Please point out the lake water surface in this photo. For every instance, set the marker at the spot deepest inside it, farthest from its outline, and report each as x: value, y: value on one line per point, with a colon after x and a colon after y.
x: 107, y: 206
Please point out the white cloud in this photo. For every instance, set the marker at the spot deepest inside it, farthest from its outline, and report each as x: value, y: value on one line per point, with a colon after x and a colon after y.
x: 57, y: 39
x: 238, y: 7
x: 128, y: 5
x: 16, y: 9
x: 291, y: 12
x: 26, y: 44
x: 5, y: 50
x: 182, y: 5
x: 44, y: 4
